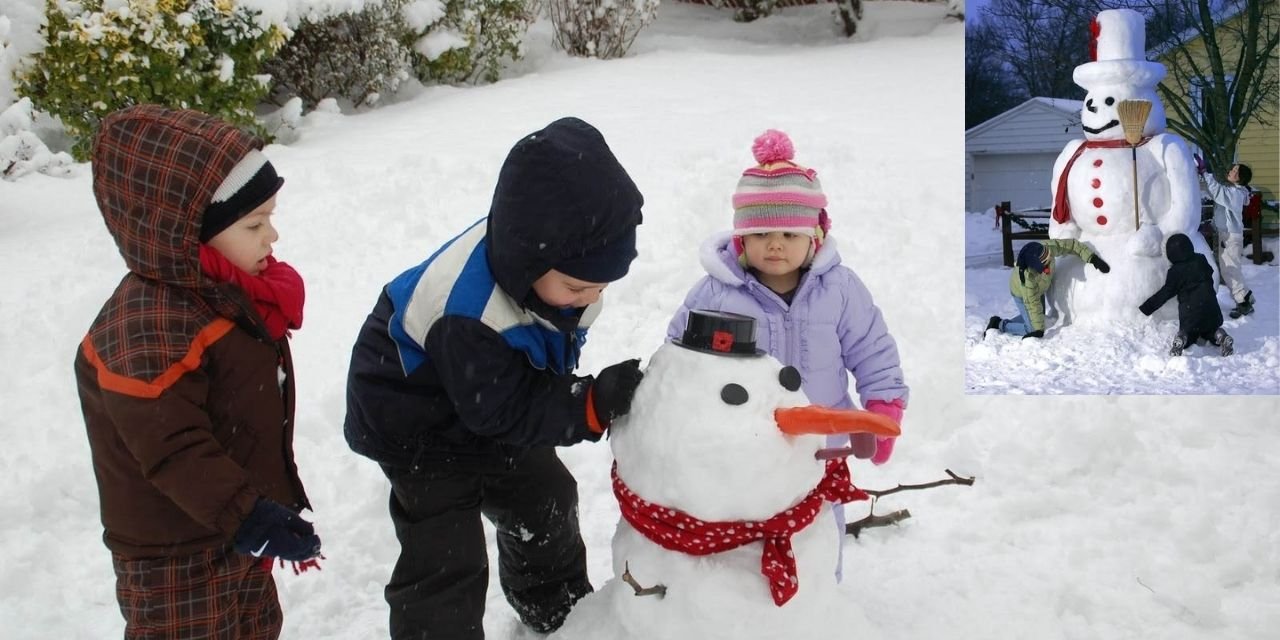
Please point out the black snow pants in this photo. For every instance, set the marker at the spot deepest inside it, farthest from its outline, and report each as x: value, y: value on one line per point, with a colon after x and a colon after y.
x: 437, y: 589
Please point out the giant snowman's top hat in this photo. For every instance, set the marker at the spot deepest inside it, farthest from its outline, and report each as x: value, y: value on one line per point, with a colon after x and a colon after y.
x: 720, y: 333
x: 1117, y: 46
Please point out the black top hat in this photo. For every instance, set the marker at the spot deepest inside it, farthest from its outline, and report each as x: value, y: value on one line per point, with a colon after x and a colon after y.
x: 720, y: 333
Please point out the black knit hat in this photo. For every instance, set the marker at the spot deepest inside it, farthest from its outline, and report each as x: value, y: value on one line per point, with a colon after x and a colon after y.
x: 251, y: 182
x: 605, y: 263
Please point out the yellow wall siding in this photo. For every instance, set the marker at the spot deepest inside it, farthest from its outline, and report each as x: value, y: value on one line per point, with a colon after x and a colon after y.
x: 1259, y: 145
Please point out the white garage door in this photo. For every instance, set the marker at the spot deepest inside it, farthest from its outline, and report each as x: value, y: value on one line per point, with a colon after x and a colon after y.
x: 1022, y: 179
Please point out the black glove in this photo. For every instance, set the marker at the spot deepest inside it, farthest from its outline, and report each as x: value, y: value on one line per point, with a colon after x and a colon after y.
x: 1099, y: 264
x: 1034, y: 334
x: 272, y: 530
x: 611, y: 393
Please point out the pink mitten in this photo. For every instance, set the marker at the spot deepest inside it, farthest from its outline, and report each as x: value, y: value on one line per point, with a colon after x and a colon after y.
x: 893, y: 411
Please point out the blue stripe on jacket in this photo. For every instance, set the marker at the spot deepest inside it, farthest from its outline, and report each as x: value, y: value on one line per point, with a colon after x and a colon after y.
x: 461, y: 267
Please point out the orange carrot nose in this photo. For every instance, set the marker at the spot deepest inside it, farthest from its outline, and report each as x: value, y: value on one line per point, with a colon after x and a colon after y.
x: 822, y: 421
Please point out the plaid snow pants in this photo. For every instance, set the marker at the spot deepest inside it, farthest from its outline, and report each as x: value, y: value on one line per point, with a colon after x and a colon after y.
x: 218, y: 594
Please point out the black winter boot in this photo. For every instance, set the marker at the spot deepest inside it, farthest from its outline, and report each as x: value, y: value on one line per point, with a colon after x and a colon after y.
x: 1224, y: 341
x: 1179, y: 343
x: 993, y: 323
x: 1244, y: 308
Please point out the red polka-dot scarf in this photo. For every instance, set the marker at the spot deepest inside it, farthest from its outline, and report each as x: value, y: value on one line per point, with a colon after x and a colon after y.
x: 678, y: 531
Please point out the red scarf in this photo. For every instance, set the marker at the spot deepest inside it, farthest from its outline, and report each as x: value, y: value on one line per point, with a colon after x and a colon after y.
x: 1061, y: 206
x: 678, y: 531
x: 277, y: 293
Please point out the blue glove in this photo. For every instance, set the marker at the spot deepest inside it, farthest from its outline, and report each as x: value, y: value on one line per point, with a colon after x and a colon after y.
x: 272, y: 530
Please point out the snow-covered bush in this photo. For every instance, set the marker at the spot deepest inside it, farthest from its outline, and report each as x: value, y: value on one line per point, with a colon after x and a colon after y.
x: 599, y: 28
x: 357, y: 55
x: 102, y: 55
x: 21, y: 151
x: 6, y: 63
x: 465, y: 40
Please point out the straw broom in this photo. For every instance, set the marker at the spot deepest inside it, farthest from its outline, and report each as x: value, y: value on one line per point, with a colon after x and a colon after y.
x: 1133, y: 118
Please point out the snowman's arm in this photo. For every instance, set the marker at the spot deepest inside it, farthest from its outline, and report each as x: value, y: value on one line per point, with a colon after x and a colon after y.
x: 498, y: 393
x: 868, y: 350
x: 1068, y: 229
x: 1184, y: 186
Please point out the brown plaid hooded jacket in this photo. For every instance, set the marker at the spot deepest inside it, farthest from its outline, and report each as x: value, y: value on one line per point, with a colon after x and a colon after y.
x: 188, y: 414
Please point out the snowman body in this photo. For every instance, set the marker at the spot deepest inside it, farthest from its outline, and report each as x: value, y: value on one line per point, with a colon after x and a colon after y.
x: 685, y: 448
x: 1100, y: 183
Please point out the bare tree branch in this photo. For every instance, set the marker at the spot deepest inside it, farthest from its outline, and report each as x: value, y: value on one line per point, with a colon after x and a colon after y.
x: 873, y: 520
x: 655, y: 590
x: 954, y: 479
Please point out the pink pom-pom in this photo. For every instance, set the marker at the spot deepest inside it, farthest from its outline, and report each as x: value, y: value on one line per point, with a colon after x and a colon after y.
x: 772, y: 146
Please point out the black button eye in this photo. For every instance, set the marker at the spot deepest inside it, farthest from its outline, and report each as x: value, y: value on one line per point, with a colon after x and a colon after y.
x: 734, y: 394
x: 1110, y: 101
x: 790, y: 378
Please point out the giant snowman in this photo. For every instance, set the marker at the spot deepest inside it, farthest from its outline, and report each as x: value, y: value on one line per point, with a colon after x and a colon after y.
x: 725, y: 501
x: 1093, y: 184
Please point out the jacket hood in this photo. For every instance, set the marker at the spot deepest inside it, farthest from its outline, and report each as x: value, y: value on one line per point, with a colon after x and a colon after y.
x: 561, y: 195
x: 1178, y: 248
x: 155, y: 171
x: 720, y: 259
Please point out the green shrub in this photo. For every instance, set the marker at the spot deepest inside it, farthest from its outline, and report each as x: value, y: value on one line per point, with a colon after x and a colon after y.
x: 600, y: 28
x: 358, y: 56
x: 103, y: 55
x: 470, y: 42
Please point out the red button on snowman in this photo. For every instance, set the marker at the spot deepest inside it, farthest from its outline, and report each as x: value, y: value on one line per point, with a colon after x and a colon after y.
x: 1094, y: 182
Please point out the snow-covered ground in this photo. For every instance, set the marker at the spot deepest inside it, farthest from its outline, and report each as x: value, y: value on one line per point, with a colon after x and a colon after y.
x: 1120, y: 359
x: 1092, y: 517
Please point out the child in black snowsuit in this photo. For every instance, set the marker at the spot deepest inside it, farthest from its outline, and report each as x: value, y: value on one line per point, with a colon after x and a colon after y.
x: 1190, y: 278
x: 462, y: 385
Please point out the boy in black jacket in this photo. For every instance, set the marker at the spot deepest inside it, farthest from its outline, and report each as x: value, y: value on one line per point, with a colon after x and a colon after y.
x: 1190, y: 278
x: 461, y: 385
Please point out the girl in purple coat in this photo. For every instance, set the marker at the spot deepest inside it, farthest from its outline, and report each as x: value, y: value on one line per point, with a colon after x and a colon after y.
x: 780, y: 267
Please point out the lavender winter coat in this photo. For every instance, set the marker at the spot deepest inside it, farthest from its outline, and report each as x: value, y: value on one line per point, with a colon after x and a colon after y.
x: 831, y: 328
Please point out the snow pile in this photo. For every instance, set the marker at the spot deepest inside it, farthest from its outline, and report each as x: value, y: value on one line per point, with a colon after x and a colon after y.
x: 21, y: 151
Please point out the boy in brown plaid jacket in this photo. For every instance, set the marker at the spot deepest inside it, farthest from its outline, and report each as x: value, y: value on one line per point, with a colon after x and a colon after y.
x: 186, y: 381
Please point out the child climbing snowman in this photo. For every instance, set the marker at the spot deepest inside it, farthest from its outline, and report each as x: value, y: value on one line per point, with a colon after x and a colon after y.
x: 1095, y: 181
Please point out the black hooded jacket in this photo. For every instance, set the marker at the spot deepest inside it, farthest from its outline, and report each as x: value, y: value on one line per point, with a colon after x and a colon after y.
x: 477, y: 402
x: 1190, y: 278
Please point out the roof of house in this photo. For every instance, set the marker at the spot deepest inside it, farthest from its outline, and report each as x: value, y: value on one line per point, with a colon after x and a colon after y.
x: 1063, y: 114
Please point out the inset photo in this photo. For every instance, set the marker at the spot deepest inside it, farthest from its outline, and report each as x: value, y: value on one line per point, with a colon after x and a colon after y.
x: 1121, y: 188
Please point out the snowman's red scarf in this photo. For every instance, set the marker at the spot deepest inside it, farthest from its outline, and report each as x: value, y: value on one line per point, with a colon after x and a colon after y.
x: 1061, y: 204
x: 679, y: 531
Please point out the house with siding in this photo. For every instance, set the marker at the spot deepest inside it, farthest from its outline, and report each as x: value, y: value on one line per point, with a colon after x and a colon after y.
x: 1010, y: 157
x: 1259, y: 145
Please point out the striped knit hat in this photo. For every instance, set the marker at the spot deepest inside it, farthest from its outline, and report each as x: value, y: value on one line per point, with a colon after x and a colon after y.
x: 778, y: 194
x: 251, y: 182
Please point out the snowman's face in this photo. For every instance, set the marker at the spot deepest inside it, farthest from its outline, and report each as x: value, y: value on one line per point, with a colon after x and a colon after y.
x: 1100, y: 117
x: 708, y: 422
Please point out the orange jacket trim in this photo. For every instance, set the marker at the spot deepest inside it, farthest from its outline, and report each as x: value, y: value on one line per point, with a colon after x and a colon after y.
x: 138, y: 388
x: 593, y: 421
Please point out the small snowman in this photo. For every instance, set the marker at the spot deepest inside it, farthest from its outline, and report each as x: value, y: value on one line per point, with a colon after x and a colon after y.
x: 1094, y: 181
x: 726, y: 530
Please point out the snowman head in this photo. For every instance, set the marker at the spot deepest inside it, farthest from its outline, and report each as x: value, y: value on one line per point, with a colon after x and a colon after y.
x: 1119, y: 71
x: 702, y: 436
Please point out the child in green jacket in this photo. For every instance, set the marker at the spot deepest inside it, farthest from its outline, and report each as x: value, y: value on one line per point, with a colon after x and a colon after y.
x: 1030, y: 280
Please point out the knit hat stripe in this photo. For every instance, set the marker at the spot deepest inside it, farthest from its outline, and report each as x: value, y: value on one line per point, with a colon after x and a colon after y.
x: 779, y: 181
x: 774, y: 218
x: 785, y: 170
x: 745, y: 198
